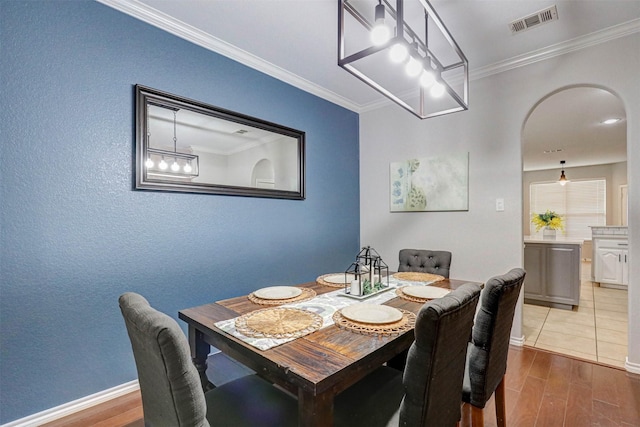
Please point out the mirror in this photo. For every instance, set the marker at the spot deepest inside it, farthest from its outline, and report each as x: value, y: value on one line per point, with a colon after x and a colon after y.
x: 188, y: 146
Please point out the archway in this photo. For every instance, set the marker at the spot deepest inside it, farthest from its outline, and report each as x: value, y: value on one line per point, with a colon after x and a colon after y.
x: 568, y: 124
x: 263, y: 174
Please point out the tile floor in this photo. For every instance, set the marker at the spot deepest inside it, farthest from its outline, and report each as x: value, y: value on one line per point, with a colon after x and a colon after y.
x: 596, y: 330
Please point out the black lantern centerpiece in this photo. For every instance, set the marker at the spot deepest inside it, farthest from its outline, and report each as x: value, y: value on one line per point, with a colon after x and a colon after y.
x: 368, y: 274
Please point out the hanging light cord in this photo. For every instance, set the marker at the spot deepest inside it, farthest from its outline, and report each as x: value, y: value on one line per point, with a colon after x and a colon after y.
x: 175, y: 140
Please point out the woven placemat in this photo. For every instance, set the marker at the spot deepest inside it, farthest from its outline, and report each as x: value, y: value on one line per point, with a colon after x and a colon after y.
x: 411, y: 297
x: 412, y: 276
x: 320, y: 281
x: 407, y: 323
x: 305, y: 295
x: 278, y: 322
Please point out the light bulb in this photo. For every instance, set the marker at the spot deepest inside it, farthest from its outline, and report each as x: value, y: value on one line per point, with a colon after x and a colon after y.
x: 427, y: 78
x: 398, y: 52
x: 149, y: 163
x: 163, y: 165
x: 175, y: 166
x: 413, y: 67
x: 437, y: 90
x: 380, y: 34
x: 187, y: 168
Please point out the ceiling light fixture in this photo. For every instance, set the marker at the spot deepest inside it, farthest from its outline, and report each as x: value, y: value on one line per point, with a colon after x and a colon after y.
x: 563, y: 179
x: 432, y: 61
x: 380, y: 33
x: 184, y: 165
x: 611, y: 121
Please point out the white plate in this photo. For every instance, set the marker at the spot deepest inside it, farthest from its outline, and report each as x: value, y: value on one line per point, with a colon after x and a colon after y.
x: 339, y: 278
x: 429, y: 292
x: 372, y: 313
x: 278, y: 292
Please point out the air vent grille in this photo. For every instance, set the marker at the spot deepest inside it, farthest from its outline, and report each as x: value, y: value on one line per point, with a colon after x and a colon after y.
x: 541, y: 17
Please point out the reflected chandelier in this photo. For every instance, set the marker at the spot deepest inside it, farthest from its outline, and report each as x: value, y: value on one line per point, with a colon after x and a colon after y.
x: 403, y: 50
x: 184, y: 165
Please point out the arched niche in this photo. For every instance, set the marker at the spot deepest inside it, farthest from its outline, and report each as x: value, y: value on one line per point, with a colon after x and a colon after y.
x: 263, y: 175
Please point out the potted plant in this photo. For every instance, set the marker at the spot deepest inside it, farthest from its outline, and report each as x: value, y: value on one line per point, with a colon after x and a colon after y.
x: 549, y: 221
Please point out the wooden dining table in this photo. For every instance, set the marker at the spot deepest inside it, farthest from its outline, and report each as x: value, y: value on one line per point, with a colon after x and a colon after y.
x: 315, y: 367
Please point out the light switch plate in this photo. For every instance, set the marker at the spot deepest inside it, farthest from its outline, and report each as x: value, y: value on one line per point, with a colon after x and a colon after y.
x: 499, y: 205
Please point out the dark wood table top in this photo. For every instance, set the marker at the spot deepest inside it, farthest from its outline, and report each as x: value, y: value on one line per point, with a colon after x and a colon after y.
x: 317, y: 366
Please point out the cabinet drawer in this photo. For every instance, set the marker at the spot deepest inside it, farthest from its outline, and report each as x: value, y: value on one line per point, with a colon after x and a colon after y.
x: 613, y: 243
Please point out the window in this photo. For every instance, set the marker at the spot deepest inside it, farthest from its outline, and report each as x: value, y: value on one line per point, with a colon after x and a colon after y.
x: 581, y: 204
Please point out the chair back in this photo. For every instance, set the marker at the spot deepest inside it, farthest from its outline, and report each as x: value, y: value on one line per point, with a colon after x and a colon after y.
x: 425, y: 261
x: 169, y: 383
x: 489, y: 347
x: 435, y: 363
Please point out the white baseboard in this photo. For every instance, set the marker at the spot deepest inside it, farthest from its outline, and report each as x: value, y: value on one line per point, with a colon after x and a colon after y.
x: 634, y: 368
x: 72, y: 407
x: 517, y: 341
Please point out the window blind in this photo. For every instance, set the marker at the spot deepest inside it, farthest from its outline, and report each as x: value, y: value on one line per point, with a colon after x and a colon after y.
x: 581, y: 203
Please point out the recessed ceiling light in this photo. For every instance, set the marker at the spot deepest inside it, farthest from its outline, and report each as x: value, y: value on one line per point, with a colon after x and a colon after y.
x: 611, y: 121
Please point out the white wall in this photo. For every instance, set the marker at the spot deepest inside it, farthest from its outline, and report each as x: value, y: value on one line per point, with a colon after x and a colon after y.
x: 618, y: 178
x: 485, y: 242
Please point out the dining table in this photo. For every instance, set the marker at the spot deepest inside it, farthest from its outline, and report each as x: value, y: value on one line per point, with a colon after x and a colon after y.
x: 315, y: 367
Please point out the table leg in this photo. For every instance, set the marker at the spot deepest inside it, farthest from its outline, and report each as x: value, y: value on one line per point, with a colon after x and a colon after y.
x: 315, y: 411
x: 199, y: 353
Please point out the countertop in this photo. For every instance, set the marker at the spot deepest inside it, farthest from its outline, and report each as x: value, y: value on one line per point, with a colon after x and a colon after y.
x: 559, y: 240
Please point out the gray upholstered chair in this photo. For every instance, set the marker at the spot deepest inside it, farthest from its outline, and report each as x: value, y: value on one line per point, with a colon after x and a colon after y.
x: 425, y: 261
x: 171, y: 390
x: 489, y: 346
x: 428, y: 393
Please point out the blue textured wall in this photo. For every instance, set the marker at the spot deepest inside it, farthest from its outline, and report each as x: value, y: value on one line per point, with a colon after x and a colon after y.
x: 74, y: 235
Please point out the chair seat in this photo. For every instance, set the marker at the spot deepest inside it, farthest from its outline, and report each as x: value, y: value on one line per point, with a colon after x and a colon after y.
x: 466, y: 383
x: 384, y: 387
x: 171, y: 389
x: 250, y: 401
x: 427, y: 393
x: 487, y: 351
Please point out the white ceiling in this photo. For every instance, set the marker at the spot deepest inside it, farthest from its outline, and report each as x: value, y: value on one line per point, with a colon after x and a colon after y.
x: 296, y: 41
x: 568, y: 126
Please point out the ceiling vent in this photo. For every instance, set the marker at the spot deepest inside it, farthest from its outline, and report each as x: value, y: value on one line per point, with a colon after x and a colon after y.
x: 541, y: 17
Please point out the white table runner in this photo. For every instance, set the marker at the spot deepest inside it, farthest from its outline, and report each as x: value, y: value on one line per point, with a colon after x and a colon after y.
x: 324, y: 305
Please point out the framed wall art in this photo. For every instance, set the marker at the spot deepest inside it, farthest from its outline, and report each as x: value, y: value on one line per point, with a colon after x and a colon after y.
x: 426, y: 184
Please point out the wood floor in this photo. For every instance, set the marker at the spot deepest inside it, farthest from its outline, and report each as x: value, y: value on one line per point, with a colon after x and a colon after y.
x: 542, y: 389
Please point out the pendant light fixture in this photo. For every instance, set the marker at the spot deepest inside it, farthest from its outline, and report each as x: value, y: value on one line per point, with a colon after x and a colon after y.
x: 149, y: 163
x: 183, y: 165
x: 563, y: 179
x: 415, y: 62
x: 380, y: 33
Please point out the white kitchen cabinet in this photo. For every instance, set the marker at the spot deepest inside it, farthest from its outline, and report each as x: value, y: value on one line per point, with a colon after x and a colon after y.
x: 611, y: 261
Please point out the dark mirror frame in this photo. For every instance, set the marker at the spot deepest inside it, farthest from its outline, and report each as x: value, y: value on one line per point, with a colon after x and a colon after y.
x: 148, y: 96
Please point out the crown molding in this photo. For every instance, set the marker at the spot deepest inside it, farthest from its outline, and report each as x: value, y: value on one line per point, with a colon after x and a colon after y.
x: 178, y: 28
x: 578, y: 43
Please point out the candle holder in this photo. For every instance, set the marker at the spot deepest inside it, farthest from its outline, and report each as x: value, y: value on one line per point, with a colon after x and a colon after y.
x: 368, y: 273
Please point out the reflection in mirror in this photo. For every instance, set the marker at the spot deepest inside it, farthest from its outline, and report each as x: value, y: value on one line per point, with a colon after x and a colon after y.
x: 184, y: 145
